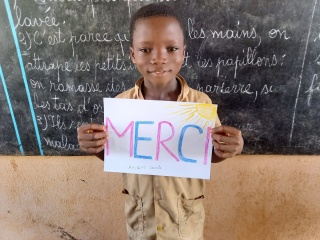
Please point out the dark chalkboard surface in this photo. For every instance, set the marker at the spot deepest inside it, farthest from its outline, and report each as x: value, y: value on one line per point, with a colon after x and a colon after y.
x: 258, y: 60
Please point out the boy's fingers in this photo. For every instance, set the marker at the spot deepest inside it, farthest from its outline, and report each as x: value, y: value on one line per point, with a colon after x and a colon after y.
x: 220, y: 138
x: 226, y: 130
x: 227, y: 135
x: 92, y: 146
x: 91, y: 132
x: 225, y: 147
x: 227, y: 141
x: 225, y: 151
x: 92, y: 127
x: 92, y: 137
x: 230, y: 140
x: 222, y: 154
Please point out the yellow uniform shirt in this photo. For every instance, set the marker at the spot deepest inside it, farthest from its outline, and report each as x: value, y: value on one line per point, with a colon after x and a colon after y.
x: 159, y: 207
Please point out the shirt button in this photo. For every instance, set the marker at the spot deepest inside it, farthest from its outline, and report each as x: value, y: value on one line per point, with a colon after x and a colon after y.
x: 160, y: 228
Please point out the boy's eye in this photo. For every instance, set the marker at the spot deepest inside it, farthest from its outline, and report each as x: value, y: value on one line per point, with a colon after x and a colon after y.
x: 172, y: 49
x: 144, y: 50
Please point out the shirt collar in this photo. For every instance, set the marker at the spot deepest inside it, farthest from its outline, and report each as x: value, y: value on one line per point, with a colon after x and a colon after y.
x: 183, y: 94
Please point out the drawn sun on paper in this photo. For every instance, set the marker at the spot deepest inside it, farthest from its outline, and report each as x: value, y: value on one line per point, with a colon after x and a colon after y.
x: 201, y: 114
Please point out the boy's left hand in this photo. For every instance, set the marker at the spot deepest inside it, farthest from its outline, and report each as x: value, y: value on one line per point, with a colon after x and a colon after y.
x: 227, y: 141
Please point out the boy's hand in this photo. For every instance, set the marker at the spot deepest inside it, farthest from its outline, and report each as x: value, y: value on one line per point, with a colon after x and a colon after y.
x: 227, y: 141
x: 92, y: 138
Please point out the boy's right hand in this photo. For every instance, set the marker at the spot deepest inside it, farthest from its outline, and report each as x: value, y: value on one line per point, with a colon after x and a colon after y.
x: 92, y: 138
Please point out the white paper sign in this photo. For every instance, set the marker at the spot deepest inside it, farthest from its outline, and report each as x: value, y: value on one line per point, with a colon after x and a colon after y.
x: 159, y: 137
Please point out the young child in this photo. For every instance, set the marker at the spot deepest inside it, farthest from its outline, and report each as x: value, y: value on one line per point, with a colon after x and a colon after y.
x: 159, y: 207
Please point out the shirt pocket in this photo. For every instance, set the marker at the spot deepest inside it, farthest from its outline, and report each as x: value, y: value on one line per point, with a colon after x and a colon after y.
x: 191, y: 217
x: 134, y: 213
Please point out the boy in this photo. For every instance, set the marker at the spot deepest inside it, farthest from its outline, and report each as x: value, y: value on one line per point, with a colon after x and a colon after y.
x: 160, y: 207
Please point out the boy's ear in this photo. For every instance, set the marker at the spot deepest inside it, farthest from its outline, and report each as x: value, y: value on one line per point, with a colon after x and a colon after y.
x: 132, y: 55
x: 184, y: 50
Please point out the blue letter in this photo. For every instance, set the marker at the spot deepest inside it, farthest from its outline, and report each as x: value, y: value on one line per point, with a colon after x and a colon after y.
x: 183, y: 158
x: 137, y: 138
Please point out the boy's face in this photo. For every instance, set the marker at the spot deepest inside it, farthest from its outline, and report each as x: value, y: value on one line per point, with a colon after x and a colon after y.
x: 158, y: 49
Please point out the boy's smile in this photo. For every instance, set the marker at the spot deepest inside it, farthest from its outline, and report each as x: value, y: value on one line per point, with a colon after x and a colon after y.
x: 158, y: 51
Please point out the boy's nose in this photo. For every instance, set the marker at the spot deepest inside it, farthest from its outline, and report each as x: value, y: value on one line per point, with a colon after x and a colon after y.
x: 159, y: 57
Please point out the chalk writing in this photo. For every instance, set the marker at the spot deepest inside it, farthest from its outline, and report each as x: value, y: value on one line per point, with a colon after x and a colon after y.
x: 242, y: 89
x: 40, y: 103
x: 36, y: 84
x: 83, y: 88
x: 115, y: 88
x: 314, y: 88
x: 56, y: 38
x: 34, y: 22
x: 54, y: 121
x: 58, y: 122
x: 82, y: 66
x: 220, y: 34
x: 115, y: 62
x: 276, y: 33
x: 56, y: 104
x: 226, y: 89
x: 250, y: 59
x: 317, y: 60
x: 186, y: 60
x: 98, y: 37
x: 88, y: 37
x: 28, y: 39
x: 61, y: 144
x: 82, y: 107
x: 97, y: 108
x: 38, y: 64
x: 245, y: 127
x: 267, y: 89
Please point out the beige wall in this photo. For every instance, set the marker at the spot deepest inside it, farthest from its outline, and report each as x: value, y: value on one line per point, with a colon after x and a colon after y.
x: 248, y: 197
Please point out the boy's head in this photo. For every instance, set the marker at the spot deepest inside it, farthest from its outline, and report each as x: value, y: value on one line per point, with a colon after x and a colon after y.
x: 157, y: 45
x: 154, y: 10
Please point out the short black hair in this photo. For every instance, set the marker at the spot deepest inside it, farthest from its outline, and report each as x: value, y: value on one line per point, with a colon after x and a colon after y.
x: 154, y: 10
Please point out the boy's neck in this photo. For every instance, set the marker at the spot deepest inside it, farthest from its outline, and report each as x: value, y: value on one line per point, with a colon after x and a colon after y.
x: 169, y: 92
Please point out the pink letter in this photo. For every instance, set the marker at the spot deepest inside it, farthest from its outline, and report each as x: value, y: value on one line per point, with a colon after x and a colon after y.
x: 130, y: 126
x: 165, y: 140
x: 206, y: 147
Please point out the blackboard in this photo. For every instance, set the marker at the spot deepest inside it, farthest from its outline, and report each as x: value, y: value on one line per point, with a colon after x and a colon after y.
x: 258, y: 60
